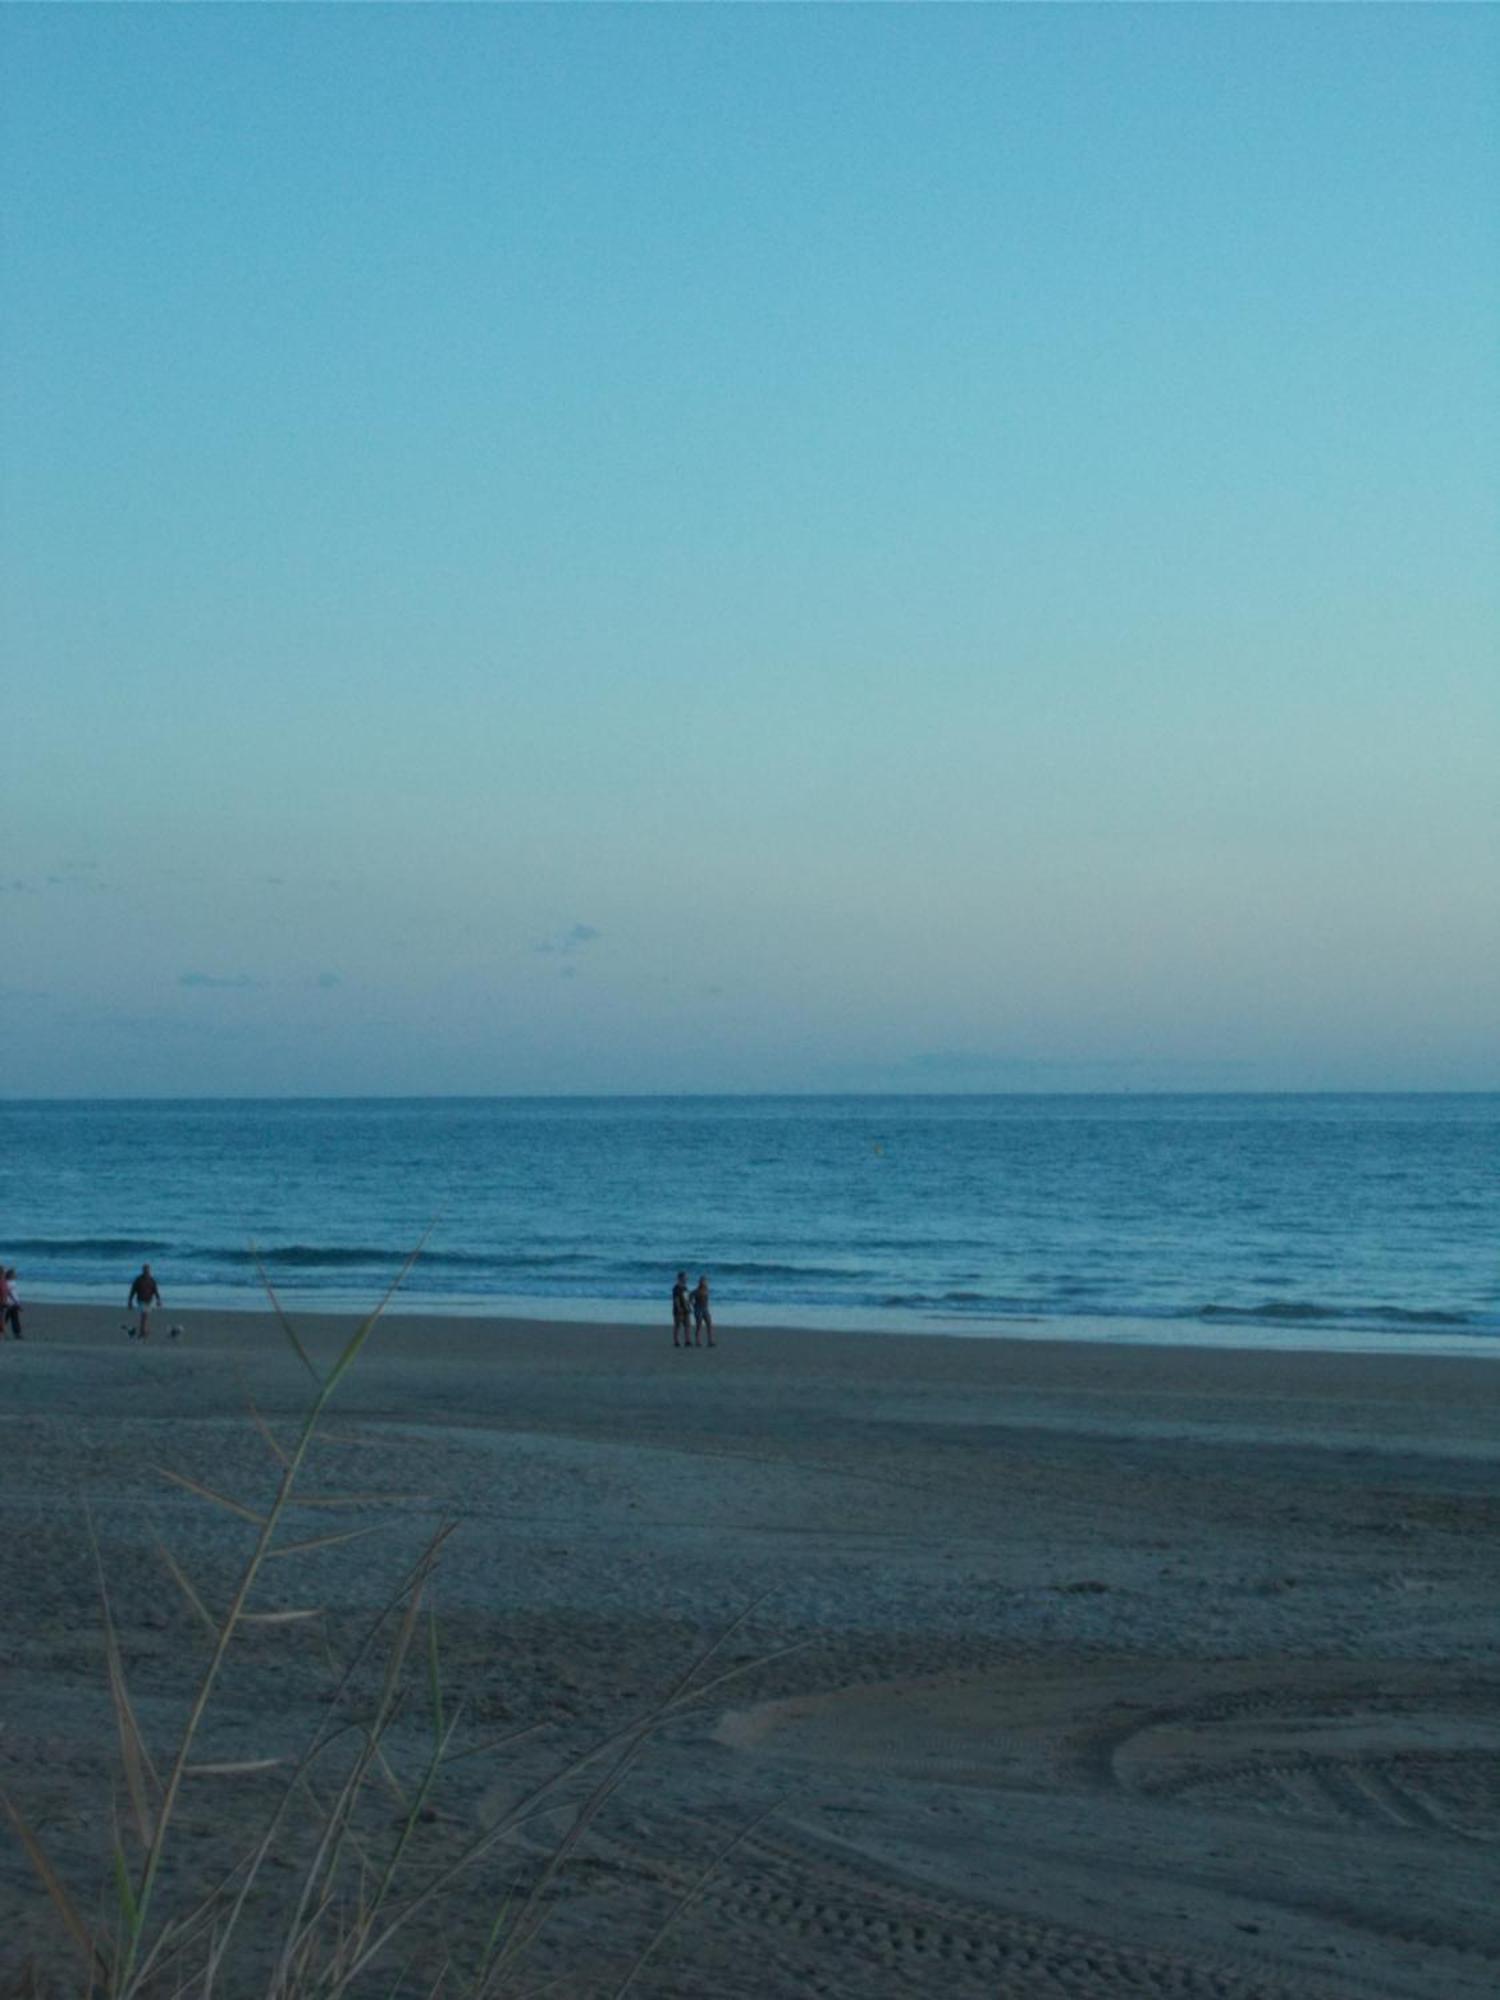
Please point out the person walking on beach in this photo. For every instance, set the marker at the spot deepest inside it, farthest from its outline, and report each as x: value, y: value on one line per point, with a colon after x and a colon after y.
x: 703, y: 1319
x: 10, y: 1305
x: 680, y: 1312
x: 144, y: 1294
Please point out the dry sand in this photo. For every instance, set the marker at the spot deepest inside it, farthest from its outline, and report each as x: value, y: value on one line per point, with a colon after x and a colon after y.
x: 1122, y: 1670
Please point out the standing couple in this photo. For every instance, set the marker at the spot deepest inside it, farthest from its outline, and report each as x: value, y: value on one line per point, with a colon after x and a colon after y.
x: 691, y: 1305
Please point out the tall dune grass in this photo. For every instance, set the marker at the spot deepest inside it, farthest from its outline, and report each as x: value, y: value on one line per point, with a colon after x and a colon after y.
x: 373, y: 1904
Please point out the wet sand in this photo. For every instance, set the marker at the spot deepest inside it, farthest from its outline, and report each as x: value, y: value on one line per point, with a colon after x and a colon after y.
x: 1119, y: 1669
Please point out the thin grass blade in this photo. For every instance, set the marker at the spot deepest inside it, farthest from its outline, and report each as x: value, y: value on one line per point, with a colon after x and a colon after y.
x: 267, y: 1526
x: 523, y: 1931
x: 195, y: 1603
x: 434, y: 1674
x: 338, y: 1824
x: 399, y: 1983
x: 387, y: 1771
x: 490, y: 1956
x: 367, y: 1325
x: 299, y: 1782
x: 283, y: 1322
x: 232, y: 1767
x: 207, y: 1493
x: 413, y: 1815
x: 534, y: 1914
x: 51, y: 1881
x: 325, y: 1541
x: 702, y: 1688
x: 134, y: 1755
x: 277, y: 1450
x: 685, y: 1902
x: 125, y: 1891
x: 493, y: 1743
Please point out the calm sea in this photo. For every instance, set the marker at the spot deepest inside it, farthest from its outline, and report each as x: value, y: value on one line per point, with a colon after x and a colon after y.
x: 1309, y: 1220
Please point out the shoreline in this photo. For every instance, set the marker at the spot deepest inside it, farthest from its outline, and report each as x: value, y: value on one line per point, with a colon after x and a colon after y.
x: 1226, y: 1333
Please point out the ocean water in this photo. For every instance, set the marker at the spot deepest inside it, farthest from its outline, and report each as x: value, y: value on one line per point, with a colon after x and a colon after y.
x: 1304, y: 1220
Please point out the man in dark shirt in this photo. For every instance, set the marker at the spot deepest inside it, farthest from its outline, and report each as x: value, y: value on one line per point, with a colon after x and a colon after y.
x: 144, y: 1294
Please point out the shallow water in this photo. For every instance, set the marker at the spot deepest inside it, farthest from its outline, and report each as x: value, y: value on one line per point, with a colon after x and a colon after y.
x: 1312, y: 1221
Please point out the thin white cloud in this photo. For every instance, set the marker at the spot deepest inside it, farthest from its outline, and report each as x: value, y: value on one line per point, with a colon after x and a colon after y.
x: 565, y: 943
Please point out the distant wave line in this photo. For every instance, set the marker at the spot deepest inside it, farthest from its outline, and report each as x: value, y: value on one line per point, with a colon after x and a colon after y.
x: 333, y: 1256
x: 1271, y: 1312
x: 750, y: 1268
x: 90, y: 1246
x: 1304, y: 1310
x: 297, y: 1256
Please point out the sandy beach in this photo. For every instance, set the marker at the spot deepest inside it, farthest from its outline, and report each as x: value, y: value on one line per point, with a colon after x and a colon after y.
x: 1117, y: 1670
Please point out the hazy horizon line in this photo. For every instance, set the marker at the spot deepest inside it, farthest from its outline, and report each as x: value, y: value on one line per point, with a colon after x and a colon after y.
x: 705, y: 1096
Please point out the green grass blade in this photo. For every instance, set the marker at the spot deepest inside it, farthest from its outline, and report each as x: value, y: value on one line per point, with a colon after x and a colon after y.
x: 125, y: 1892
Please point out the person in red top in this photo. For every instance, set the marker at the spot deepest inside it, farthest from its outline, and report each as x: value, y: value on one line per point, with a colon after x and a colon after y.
x: 144, y: 1294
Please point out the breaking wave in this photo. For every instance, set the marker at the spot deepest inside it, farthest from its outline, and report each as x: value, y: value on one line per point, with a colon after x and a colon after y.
x: 1309, y: 1312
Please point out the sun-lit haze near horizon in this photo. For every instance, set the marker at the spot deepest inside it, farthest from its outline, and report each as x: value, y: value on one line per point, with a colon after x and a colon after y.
x: 556, y: 550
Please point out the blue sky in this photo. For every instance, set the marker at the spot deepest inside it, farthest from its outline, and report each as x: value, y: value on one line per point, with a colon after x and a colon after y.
x: 689, y: 549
